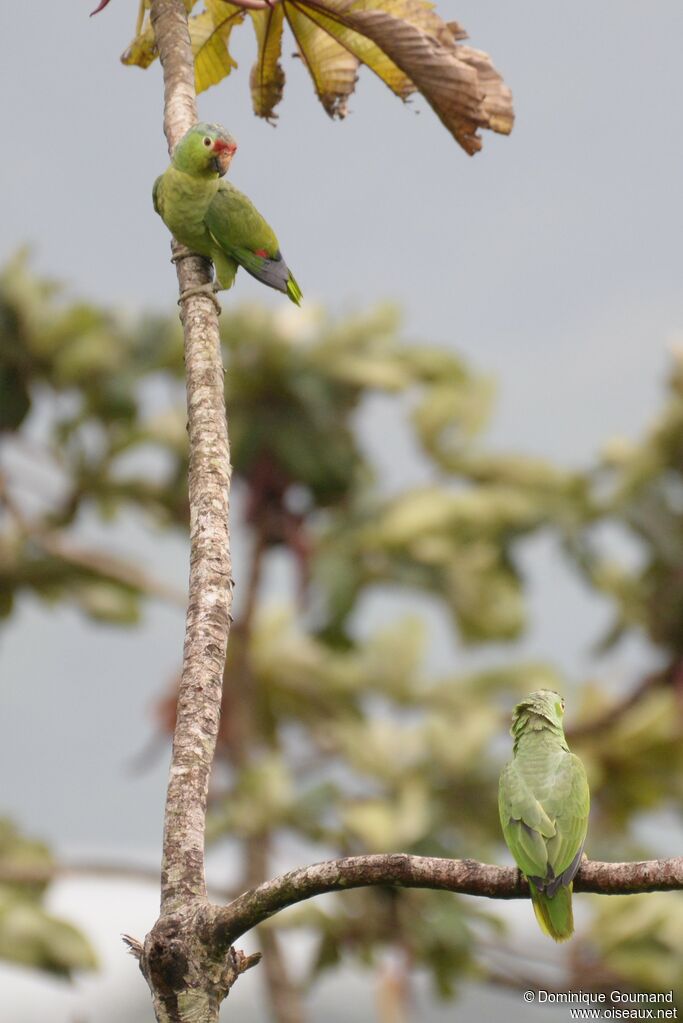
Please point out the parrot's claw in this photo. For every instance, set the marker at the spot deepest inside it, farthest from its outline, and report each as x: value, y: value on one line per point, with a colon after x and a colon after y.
x: 181, y: 252
x: 208, y: 290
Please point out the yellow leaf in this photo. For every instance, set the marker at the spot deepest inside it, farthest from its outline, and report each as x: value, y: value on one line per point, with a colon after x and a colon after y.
x: 404, y: 42
x: 267, y: 79
x: 365, y: 51
x: 142, y: 51
x: 209, y: 35
x: 331, y: 66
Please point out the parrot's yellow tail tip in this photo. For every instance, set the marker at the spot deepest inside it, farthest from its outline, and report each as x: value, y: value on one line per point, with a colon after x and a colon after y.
x: 294, y: 291
x: 555, y: 916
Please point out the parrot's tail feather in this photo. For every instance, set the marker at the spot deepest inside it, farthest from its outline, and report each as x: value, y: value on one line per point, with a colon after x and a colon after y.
x: 271, y: 271
x: 554, y: 914
x: 294, y: 291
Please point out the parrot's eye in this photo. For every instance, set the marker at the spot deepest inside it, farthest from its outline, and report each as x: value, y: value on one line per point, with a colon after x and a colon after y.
x: 207, y: 140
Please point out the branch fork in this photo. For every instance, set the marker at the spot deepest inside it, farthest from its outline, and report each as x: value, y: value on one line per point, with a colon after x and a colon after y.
x: 188, y: 958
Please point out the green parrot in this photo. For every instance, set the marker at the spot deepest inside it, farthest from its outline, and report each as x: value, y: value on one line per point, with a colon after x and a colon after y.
x: 543, y: 802
x: 211, y: 217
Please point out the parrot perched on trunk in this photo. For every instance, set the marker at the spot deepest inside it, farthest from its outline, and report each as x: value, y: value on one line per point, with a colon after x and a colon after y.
x: 211, y: 217
x: 543, y: 801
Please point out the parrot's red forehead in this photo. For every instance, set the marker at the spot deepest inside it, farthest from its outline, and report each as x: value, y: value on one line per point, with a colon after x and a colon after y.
x: 224, y: 146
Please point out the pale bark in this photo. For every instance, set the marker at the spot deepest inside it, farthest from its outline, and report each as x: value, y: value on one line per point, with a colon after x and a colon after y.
x: 466, y: 877
x: 210, y: 597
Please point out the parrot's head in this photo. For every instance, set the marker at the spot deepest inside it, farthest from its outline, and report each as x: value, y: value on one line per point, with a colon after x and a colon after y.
x: 544, y: 708
x: 206, y: 150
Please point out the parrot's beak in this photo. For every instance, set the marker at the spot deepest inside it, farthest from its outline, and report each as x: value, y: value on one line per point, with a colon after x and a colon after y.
x: 224, y: 151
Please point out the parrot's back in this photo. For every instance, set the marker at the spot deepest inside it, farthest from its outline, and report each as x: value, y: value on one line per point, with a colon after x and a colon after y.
x: 543, y: 803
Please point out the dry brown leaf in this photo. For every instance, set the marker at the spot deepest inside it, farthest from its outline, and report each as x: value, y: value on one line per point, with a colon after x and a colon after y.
x: 460, y: 84
x: 365, y: 51
x: 267, y: 79
x: 333, y: 68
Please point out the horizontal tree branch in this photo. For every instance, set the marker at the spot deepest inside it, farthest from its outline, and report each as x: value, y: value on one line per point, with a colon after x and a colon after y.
x: 466, y: 877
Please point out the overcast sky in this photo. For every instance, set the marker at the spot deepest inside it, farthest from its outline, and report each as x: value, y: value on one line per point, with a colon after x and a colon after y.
x: 553, y: 255
x: 551, y: 260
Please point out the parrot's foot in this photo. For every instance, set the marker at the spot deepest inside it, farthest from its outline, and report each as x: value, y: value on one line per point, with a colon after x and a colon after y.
x: 208, y: 290
x: 181, y: 252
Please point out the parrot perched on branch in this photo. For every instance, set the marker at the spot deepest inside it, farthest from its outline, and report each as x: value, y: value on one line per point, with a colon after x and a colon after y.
x: 211, y: 217
x: 543, y: 801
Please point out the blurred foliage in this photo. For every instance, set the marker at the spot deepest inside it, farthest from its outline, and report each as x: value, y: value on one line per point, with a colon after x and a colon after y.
x: 640, y: 937
x: 404, y: 42
x: 28, y: 934
x: 333, y: 734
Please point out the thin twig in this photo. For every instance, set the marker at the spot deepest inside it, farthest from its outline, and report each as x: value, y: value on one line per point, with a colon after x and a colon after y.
x: 60, y: 546
x: 118, y: 570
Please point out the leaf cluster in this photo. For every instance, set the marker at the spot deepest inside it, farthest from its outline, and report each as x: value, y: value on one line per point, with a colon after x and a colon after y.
x: 404, y: 42
x: 334, y: 734
x: 29, y: 935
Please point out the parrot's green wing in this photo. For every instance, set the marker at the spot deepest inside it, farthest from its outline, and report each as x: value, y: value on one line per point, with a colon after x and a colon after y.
x: 525, y: 824
x: 241, y: 235
x: 568, y: 804
x: 544, y: 816
x: 156, y: 195
x: 237, y: 225
x: 544, y: 820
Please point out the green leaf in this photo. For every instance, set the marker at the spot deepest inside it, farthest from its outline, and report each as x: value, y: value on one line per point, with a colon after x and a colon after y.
x: 107, y: 601
x: 450, y: 415
x: 640, y: 938
x: 28, y: 860
x: 15, y: 401
x: 31, y: 937
x: 385, y: 825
